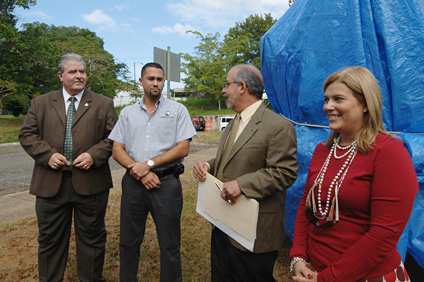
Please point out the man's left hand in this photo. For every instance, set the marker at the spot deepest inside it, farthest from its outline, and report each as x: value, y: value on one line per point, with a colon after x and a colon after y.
x: 84, y: 161
x: 150, y: 181
x: 231, y: 191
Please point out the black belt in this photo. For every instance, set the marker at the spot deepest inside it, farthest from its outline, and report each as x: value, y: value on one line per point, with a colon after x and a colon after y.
x: 165, y: 172
x: 176, y: 170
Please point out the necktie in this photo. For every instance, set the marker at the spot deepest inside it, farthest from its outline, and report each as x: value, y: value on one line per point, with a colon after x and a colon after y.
x: 68, y: 135
x: 228, y: 146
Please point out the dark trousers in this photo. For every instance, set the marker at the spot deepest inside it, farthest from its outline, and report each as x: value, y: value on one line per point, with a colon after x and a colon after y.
x: 230, y: 264
x: 165, y: 205
x: 54, y: 217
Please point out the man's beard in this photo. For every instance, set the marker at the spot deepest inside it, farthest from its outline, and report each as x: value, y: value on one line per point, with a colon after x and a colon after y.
x: 154, y: 95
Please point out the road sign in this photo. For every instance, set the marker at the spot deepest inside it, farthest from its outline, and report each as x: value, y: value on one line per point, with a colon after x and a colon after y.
x: 160, y: 57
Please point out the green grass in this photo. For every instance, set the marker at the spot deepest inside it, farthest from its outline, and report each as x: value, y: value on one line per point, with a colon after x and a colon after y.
x: 9, y: 128
x: 10, y: 125
x: 199, y: 107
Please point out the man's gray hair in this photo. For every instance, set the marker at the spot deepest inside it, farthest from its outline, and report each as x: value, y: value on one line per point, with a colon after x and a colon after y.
x: 69, y: 57
x: 253, y: 82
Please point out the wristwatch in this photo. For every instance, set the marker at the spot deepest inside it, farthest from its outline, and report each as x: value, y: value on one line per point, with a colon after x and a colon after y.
x: 150, y: 163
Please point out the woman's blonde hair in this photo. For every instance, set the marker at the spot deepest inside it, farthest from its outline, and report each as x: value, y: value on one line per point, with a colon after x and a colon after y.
x: 366, y: 89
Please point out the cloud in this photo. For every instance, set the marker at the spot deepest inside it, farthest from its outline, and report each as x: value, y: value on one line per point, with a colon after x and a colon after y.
x: 215, y: 15
x: 97, y: 17
x: 31, y: 16
x: 121, y: 7
x: 40, y: 14
x: 177, y: 28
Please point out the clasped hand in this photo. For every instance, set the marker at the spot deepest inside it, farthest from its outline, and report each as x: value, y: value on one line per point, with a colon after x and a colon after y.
x: 304, y: 273
x: 141, y: 172
x: 83, y: 161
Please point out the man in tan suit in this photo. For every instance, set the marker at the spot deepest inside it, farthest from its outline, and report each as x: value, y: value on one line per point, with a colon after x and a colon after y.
x: 256, y: 157
x: 66, y: 133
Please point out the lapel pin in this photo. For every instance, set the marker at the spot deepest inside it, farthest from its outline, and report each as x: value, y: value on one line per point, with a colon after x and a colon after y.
x: 86, y: 104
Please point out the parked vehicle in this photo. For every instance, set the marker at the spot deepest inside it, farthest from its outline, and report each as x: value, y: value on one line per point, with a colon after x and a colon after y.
x: 198, y: 122
x: 223, y: 122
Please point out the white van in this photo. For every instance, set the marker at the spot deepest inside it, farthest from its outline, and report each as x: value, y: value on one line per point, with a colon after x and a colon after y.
x: 223, y: 122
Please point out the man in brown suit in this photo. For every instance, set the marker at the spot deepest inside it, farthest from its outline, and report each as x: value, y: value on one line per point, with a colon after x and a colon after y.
x: 70, y: 179
x: 256, y: 157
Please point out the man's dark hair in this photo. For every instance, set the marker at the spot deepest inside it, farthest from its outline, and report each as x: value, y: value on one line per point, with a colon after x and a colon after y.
x: 252, y: 81
x: 151, y: 65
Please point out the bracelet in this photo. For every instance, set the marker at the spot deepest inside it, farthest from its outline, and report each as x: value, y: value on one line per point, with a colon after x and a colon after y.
x: 293, y: 262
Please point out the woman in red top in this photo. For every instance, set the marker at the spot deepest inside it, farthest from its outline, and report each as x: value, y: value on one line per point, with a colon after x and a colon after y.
x: 359, y: 192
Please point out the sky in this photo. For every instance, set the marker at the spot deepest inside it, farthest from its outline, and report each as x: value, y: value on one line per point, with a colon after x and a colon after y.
x: 131, y: 28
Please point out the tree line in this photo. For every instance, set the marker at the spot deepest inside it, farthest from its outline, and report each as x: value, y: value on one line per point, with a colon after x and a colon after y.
x: 29, y: 56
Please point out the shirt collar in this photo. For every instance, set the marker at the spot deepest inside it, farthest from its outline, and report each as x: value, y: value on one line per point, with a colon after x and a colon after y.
x: 247, y: 113
x: 66, y: 95
x: 141, y: 101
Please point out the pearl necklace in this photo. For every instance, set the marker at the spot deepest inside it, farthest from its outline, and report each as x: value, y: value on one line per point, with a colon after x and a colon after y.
x: 338, y: 179
x: 336, y: 146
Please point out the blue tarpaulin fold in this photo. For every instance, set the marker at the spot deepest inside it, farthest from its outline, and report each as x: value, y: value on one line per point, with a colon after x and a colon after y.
x: 316, y: 38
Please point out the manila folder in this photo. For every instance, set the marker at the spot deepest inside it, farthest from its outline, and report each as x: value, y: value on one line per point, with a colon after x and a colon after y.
x: 242, y: 217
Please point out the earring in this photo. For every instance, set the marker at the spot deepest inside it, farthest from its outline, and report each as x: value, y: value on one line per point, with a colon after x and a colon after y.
x: 365, y: 111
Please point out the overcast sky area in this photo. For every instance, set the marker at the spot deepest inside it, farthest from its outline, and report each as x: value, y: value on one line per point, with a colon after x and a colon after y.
x: 130, y: 28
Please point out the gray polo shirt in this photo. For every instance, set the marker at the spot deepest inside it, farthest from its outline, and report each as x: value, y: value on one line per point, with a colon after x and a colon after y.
x: 146, y: 137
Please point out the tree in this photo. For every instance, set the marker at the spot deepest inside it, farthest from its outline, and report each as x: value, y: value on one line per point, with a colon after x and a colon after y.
x: 30, y: 66
x: 9, y: 37
x: 291, y: 2
x: 242, y: 43
x: 205, y: 71
x: 104, y: 76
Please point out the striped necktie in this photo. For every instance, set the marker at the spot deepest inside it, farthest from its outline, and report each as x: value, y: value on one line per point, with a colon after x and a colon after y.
x: 228, y: 146
x: 68, y: 135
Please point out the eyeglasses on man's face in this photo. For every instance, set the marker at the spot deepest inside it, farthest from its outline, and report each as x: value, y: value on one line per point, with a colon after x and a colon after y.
x: 227, y: 83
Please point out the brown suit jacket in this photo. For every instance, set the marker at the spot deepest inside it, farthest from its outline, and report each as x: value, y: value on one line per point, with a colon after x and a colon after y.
x: 43, y: 134
x: 264, y: 163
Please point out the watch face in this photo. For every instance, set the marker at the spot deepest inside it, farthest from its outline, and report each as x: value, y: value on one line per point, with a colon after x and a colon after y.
x: 150, y: 163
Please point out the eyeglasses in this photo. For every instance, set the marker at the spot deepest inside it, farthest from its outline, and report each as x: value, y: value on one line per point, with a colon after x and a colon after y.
x: 226, y: 83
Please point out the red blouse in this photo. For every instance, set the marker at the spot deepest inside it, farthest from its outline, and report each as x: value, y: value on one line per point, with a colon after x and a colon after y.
x: 375, y: 202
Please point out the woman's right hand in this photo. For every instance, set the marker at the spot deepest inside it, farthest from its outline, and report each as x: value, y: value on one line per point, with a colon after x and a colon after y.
x: 303, y: 273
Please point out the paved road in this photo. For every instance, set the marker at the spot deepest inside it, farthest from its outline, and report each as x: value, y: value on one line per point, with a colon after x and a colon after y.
x: 16, y: 171
x: 16, y: 166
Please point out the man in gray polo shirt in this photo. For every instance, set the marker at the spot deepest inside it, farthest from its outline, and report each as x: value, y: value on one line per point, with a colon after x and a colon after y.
x: 151, y: 138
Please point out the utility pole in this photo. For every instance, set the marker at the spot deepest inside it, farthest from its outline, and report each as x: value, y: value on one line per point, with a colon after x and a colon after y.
x: 135, y: 81
x: 168, y: 73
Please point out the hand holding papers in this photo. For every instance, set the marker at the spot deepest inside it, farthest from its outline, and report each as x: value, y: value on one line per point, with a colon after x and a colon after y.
x: 220, y: 189
x: 238, y: 221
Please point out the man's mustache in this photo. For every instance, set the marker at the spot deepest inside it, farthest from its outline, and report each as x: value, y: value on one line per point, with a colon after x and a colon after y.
x: 78, y: 80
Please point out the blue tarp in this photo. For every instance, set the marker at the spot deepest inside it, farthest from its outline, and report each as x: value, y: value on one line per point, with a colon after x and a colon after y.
x: 316, y: 38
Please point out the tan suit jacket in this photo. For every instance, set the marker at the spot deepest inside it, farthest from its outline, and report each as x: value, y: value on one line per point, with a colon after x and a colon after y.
x: 263, y: 161
x: 43, y: 134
